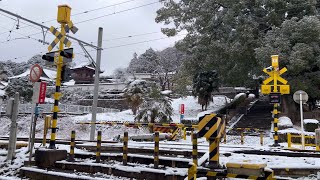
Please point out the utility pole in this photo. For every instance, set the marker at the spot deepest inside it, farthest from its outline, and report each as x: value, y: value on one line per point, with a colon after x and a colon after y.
x: 96, y: 85
x: 13, y: 128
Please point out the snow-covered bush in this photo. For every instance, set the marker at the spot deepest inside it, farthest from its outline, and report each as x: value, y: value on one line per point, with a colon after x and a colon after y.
x: 155, y: 108
x: 135, y: 94
x: 21, y: 85
x: 310, y: 125
x: 284, y: 123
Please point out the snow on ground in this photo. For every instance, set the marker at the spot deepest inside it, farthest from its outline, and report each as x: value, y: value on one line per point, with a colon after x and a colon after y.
x: 192, y: 108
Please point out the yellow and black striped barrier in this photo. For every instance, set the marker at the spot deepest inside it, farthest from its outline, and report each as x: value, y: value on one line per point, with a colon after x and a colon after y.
x: 125, y: 148
x: 140, y: 124
x: 72, y: 145
x: 268, y: 175
x: 290, y: 136
x: 98, y: 153
x: 163, y: 129
x: 192, y: 172
x: 212, y: 128
x: 156, y: 150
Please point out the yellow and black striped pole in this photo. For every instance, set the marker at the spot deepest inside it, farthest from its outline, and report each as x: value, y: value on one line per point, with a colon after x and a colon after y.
x: 98, y: 147
x: 275, y: 123
x: 125, y: 148
x: 195, y: 149
x: 214, y: 152
x: 72, y: 144
x: 57, y: 93
x: 156, y: 150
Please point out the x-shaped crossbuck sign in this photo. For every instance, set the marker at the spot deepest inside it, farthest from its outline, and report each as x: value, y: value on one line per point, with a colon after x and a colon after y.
x: 59, y: 37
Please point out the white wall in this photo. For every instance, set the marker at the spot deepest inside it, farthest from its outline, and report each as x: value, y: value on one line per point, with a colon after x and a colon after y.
x: 102, y: 86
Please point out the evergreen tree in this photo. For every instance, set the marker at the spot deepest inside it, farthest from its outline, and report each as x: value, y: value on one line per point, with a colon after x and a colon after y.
x: 203, y: 85
x: 156, y: 108
x: 21, y: 85
x: 223, y: 35
x: 135, y: 94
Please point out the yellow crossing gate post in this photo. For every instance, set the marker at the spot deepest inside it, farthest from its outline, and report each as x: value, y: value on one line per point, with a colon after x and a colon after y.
x: 156, y: 150
x: 125, y: 148
x: 63, y: 18
x: 98, y: 153
x: 195, y: 149
x: 72, y: 145
x: 275, y: 90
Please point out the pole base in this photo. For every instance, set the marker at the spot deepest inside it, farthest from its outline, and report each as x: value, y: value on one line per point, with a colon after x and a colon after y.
x: 275, y: 145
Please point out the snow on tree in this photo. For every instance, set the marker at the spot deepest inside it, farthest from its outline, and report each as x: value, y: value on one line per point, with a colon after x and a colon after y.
x: 297, y: 43
x: 21, y: 85
x: 135, y: 94
x: 223, y: 35
x: 203, y: 85
x: 156, y: 108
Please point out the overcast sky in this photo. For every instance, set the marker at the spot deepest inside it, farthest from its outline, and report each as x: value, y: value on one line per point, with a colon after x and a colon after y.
x: 117, y: 27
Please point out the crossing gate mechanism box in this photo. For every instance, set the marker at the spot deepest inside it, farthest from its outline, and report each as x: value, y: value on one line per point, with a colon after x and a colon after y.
x: 210, y: 126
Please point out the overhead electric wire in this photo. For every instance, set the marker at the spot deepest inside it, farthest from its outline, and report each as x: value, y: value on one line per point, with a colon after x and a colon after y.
x: 84, y: 12
x: 118, y: 12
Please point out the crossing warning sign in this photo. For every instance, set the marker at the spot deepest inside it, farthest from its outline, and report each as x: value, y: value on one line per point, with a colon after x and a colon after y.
x: 59, y: 37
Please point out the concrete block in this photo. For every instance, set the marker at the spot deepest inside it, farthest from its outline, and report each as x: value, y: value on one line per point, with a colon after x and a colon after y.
x: 45, y: 158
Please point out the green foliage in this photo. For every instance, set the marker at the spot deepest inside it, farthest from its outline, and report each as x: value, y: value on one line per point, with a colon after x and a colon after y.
x: 155, y: 108
x: 225, y: 34
x: 204, y: 84
x: 22, y: 86
x: 135, y: 94
x: 297, y: 42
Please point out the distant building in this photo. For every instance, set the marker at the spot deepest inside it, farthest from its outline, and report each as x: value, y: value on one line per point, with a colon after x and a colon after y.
x: 83, y: 73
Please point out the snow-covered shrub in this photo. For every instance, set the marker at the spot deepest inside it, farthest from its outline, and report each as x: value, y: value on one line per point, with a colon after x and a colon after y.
x: 135, y: 94
x: 155, y: 108
x: 284, y: 123
x: 310, y: 125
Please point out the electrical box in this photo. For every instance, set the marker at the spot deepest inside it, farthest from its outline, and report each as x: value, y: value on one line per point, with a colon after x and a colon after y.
x: 64, y: 13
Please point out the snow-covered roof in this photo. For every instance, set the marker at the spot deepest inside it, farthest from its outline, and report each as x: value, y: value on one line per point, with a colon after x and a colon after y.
x: 51, y: 74
x: 285, y: 122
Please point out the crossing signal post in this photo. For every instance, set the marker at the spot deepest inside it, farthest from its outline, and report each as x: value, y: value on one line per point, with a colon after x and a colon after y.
x: 275, y: 90
x: 60, y: 58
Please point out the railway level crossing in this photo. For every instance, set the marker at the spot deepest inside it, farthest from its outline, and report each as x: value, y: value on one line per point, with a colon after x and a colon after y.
x: 275, y: 90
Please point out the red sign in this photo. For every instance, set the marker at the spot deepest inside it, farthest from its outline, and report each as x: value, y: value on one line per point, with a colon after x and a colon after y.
x: 181, y: 108
x: 35, y: 73
x: 42, y: 94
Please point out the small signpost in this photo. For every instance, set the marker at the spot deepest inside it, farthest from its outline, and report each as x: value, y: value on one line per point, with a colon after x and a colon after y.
x: 35, y: 73
x: 301, y: 97
x: 181, y: 112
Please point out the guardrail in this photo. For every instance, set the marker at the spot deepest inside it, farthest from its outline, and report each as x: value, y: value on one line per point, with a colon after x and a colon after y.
x: 290, y: 143
x: 67, y: 109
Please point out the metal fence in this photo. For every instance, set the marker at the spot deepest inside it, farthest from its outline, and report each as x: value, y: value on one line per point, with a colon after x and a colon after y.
x: 67, y: 109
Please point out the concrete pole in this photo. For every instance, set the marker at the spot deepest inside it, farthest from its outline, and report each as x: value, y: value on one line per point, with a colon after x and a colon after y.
x: 96, y: 85
x: 13, y: 128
